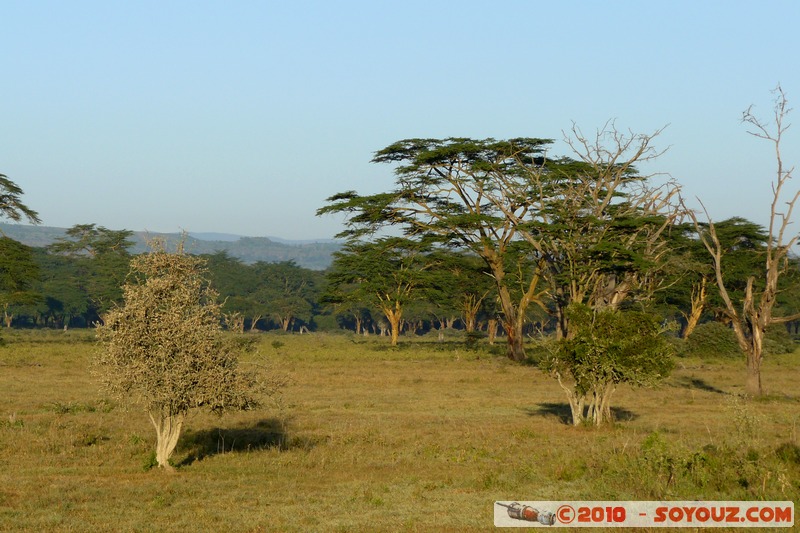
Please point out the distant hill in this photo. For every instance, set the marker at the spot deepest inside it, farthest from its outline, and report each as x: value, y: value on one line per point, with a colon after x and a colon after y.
x: 315, y: 255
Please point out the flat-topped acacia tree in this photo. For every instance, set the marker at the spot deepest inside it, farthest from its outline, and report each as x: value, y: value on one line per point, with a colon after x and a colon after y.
x: 11, y: 206
x: 163, y: 347
x: 564, y: 230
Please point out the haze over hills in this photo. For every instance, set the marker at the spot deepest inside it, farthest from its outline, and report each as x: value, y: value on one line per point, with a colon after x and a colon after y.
x: 313, y: 254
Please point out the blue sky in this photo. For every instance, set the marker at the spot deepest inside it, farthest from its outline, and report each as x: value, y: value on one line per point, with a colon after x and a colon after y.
x: 242, y: 117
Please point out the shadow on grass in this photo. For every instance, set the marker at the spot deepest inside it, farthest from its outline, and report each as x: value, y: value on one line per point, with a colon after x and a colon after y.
x: 265, y: 434
x: 564, y: 414
x: 697, y: 383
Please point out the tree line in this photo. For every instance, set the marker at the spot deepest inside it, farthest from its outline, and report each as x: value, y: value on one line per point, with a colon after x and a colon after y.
x: 77, y: 280
x: 391, y: 286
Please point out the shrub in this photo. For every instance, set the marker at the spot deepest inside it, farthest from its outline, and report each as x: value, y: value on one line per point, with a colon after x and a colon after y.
x: 606, y: 348
x: 712, y: 340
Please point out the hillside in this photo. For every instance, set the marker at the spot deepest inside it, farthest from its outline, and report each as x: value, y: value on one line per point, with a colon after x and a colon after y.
x: 309, y: 254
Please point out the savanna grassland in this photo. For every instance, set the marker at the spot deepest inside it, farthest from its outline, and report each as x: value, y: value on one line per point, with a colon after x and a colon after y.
x: 369, y: 438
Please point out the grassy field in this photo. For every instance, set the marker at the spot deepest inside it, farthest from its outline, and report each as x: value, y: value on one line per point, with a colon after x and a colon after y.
x: 369, y: 438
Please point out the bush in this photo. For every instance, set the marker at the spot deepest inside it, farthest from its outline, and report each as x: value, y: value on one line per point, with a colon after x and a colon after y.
x: 778, y: 341
x: 712, y: 340
x: 607, y: 348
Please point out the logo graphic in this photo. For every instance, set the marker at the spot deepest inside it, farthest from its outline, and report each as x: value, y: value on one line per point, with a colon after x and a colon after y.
x: 518, y: 511
x: 644, y: 514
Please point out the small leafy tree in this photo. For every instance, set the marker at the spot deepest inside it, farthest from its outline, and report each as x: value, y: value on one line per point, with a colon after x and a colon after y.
x: 163, y: 347
x: 608, y: 347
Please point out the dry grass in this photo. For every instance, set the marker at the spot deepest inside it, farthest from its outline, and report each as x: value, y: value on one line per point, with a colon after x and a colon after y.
x: 420, y: 438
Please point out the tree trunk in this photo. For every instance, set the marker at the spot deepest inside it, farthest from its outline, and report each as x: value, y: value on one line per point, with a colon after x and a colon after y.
x: 576, y: 402
x: 7, y: 317
x: 515, y: 348
x: 471, y: 305
x: 491, y: 330
x: 168, y: 430
x: 753, y: 379
x: 395, y: 317
x: 600, y: 409
x: 698, y: 304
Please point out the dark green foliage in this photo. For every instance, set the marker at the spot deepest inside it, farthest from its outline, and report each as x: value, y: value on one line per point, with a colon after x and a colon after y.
x: 715, y: 340
x: 613, y: 347
x: 388, y: 276
x: 712, y: 340
x: 607, y: 348
x: 267, y: 295
x: 18, y: 275
x: 92, y: 240
x: 11, y: 207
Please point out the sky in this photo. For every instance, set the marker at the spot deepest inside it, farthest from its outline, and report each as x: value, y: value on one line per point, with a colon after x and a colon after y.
x: 243, y: 117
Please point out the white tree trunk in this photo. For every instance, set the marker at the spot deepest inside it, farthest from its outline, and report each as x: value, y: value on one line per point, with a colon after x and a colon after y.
x: 168, y: 430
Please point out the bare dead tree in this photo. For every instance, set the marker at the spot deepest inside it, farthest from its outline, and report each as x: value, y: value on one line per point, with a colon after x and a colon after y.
x: 752, y: 315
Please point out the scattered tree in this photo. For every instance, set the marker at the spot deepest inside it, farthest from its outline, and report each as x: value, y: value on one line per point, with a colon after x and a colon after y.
x: 607, y: 347
x: 467, y: 194
x: 163, y: 348
x: 388, y: 274
x: 597, y: 223
x: 92, y: 240
x: 752, y: 313
x: 102, y: 260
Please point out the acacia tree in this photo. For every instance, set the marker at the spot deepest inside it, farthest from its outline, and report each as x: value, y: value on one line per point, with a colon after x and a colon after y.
x: 751, y: 314
x: 590, y: 227
x: 388, y: 274
x: 18, y: 272
x: 598, y: 223
x: 101, y: 255
x: 464, y: 285
x: 286, y: 292
x: 18, y: 269
x: 92, y: 240
x: 690, y: 288
x: 467, y: 194
x: 11, y: 206
x: 163, y: 347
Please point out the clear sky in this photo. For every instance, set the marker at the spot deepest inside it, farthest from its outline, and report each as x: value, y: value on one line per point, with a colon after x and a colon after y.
x: 242, y: 117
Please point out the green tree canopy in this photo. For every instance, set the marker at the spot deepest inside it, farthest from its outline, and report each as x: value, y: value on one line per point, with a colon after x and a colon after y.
x: 18, y: 274
x: 608, y: 347
x: 388, y: 274
x: 11, y: 206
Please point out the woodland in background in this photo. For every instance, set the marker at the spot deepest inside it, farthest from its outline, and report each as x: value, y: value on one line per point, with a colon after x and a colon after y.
x: 71, y: 284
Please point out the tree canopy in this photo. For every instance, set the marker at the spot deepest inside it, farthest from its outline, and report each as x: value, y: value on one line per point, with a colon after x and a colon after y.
x: 162, y: 348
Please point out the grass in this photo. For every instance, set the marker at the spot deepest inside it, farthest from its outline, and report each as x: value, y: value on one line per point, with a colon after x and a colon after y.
x: 422, y: 437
